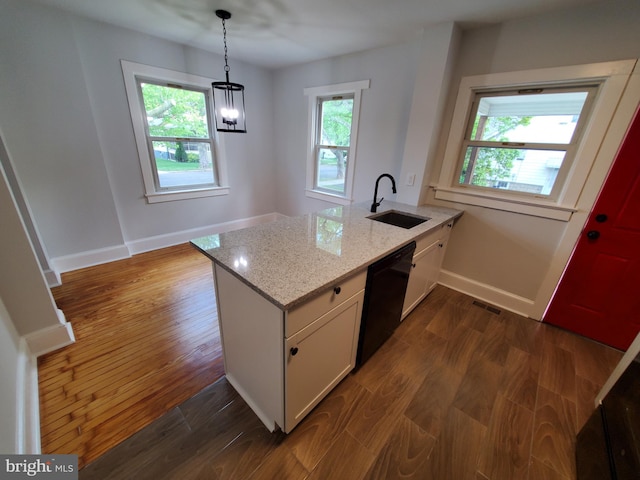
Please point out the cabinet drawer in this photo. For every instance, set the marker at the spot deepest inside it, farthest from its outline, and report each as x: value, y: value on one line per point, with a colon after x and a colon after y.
x: 440, y: 234
x: 302, y: 315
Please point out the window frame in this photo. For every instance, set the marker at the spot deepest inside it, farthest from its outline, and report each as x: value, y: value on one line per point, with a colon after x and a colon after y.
x: 611, y: 78
x: 315, y: 94
x: 133, y: 74
x: 569, y: 148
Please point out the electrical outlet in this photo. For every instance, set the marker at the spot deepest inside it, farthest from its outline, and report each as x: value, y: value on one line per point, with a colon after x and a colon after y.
x: 411, y: 178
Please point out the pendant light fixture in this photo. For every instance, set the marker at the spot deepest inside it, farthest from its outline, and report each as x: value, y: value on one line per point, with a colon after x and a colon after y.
x: 228, y: 97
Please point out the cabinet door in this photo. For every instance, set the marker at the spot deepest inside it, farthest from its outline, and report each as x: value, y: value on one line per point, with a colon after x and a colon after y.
x: 423, y: 276
x: 318, y: 357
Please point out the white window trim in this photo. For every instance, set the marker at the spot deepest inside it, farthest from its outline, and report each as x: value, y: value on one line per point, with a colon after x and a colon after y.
x: 131, y: 71
x: 313, y: 93
x: 614, y: 77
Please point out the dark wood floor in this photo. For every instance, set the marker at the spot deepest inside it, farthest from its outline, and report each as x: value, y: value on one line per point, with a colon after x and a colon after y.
x: 459, y: 392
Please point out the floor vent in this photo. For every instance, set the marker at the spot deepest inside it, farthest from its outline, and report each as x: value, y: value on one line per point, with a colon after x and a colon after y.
x: 489, y: 308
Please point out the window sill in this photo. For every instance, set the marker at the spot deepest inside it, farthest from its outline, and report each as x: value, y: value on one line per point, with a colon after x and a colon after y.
x: 328, y: 197
x: 535, y: 208
x: 170, y: 196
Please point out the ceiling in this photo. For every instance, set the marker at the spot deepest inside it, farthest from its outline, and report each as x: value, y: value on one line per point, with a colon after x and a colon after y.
x: 277, y: 33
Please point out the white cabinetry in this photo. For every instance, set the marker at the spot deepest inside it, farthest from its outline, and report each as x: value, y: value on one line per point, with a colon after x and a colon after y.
x: 283, y: 363
x: 321, y: 354
x: 427, y: 260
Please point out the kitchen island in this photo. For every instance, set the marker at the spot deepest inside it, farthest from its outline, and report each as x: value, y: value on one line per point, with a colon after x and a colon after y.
x: 290, y: 296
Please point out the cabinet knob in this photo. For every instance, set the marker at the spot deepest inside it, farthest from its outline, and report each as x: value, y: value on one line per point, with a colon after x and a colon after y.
x: 413, y: 265
x: 337, y: 290
x: 441, y: 245
x: 450, y: 225
x: 293, y: 351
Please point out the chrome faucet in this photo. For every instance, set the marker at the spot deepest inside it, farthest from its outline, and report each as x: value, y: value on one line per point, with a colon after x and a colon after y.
x: 375, y: 204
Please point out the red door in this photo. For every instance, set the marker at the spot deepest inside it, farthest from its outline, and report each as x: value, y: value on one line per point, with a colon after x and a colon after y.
x: 599, y: 293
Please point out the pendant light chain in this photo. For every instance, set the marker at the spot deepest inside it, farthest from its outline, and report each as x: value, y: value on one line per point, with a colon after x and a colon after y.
x: 224, y: 36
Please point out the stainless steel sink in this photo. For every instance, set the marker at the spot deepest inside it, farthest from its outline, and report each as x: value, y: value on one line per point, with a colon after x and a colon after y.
x: 399, y: 219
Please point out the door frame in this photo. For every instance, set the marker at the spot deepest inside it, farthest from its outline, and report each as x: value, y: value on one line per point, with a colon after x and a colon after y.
x: 629, y: 103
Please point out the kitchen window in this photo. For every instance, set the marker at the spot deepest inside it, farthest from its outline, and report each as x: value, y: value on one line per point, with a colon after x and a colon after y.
x: 171, y: 112
x: 525, y: 141
x: 333, y: 125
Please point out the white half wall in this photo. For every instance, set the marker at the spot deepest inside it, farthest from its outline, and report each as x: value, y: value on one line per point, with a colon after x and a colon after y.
x: 19, y: 401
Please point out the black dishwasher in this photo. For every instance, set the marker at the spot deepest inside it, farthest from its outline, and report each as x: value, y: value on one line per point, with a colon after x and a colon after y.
x: 383, y: 299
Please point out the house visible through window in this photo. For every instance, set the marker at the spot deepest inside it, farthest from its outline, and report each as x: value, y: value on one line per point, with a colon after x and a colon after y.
x: 333, y: 120
x: 526, y: 141
x: 171, y: 113
x: 521, y: 140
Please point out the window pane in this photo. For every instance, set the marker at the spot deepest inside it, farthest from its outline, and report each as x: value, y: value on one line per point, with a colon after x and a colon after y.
x: 535, y: 118
x: 175, y: 112
x: 335, y: 124
x: 331, y: 167
x: 521, y: 170
x: 183, y: 164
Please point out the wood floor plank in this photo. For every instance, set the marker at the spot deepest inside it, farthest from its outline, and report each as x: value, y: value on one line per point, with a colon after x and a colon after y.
x: 281, y: 464
x: 455, y: 455
x: 493, y: 344
x: 333, y: 464
x: 595, y: 361
x: 519, y: 382
x: 246, y: 453
x: 430, y: 406
x: 118, y: 462
x: 462, y: 345
x: 477, y: 392
x: 313, y: 437
x: 380, y: 411
x: 146, y: 340
x: 507, y: 445
x: 394, y: 416
x: 447, y: 319
x: 585, y: 404
x: 557, y: 372
x: 405, y: 453
x: 555, y: 432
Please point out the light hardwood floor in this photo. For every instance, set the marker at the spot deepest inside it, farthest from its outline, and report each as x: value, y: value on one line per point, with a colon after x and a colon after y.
x: 459, y: 392
x: 146, y: 340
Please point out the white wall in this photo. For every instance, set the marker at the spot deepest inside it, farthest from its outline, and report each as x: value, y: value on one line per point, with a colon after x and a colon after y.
x: 506, y: 252
x: 63, y: 109
x: 30, y: 324
x: 384, y: 117
x: 22, y: 283
x: 250, y: 155
x: 19, y: 400
x: 10, y: 361
x: 64, y: 113
x: 46, y: 118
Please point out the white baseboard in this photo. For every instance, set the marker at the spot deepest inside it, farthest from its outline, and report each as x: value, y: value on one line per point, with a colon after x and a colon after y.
x: 175, y: 238
x: 487, y: 293
x: 51, y: 338
x: 76, y: 261
x: 28, y: 403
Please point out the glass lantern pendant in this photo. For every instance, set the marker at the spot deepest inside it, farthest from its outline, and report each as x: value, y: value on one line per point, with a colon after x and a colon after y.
x: 228, y: 97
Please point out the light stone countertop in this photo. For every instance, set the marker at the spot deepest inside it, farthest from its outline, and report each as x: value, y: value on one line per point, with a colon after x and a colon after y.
x: 290, y: 260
